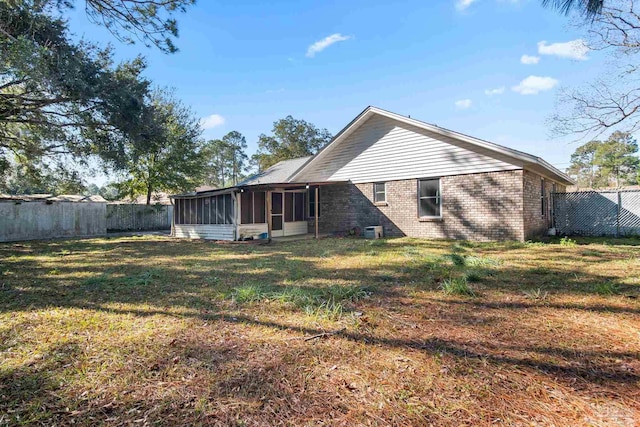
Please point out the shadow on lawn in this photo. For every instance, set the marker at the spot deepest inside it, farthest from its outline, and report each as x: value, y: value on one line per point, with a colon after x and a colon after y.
x: 189, y: 279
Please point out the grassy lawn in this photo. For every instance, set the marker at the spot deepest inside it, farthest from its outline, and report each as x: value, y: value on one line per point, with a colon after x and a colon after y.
x: 336, y: 332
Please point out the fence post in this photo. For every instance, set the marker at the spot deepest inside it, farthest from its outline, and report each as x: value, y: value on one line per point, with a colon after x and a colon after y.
x: 619, y: 209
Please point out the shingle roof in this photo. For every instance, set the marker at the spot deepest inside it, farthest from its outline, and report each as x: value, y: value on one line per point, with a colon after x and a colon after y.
x: 279, y: 173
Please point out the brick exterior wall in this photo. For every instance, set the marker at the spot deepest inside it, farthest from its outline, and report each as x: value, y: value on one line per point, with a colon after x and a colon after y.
x: 536, y: 223
x: 483, y: 206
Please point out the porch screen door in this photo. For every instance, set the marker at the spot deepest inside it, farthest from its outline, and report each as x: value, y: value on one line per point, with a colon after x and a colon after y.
x: 277, y: 214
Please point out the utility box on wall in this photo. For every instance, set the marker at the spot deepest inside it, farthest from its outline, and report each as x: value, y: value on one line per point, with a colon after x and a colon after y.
x: 373, y: 232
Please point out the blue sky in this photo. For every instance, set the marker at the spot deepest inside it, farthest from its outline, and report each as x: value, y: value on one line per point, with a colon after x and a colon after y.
x: 454, y: 63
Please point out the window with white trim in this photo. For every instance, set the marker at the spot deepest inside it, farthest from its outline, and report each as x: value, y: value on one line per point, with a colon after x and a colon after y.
x: 380, y: 192
x: 429, y: 198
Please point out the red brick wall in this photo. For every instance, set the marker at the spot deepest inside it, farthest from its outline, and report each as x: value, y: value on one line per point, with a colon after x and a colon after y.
x: 484, y: 206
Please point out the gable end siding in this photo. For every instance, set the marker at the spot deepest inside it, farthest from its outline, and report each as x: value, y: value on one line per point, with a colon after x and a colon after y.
x: 383, y: 149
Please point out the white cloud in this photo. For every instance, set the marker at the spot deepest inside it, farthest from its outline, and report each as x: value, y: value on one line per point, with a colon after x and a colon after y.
x: 529, y: 60
x: 496, y: 91
x: 321, y: 45
x: 574, y: 49
x: 463, y: 104
x: 533, y: 85
x: 211, y: 121
x: 464, y: 4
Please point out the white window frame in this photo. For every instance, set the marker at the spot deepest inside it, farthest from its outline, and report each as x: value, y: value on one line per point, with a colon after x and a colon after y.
x: 375, y: 193
x: 438, y: 197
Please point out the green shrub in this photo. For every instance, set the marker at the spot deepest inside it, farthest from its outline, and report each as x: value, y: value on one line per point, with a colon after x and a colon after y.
x: 566, y: 241
x: 457, y: 286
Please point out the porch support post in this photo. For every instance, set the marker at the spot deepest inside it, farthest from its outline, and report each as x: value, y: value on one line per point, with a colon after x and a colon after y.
x: 315, y: 206
x: 269, y: 225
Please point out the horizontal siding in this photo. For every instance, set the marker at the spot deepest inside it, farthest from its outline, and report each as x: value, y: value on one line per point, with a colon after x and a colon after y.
x: 294, y: 228
x: 208, y: 232
x: 383, y: 149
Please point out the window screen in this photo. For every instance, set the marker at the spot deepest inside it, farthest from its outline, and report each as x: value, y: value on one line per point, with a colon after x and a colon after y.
x: 246, y: 207
x: 259, y: 207
x: 228, y: 209
x: 288, y: 207
x: 429, y: 197
x: 299, y: 207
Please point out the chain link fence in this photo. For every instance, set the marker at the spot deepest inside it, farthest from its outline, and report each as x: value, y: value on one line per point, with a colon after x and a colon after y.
x: 597, y: 213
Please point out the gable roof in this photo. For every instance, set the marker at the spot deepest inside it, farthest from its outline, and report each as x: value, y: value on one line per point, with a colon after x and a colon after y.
x: 519, y: 158
x: 279, y: 173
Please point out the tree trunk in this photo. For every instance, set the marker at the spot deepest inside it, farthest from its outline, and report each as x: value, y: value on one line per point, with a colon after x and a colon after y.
x: 149, y: 190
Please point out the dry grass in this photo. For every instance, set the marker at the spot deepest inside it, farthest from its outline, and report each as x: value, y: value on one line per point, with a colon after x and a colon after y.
x: 161, y: 331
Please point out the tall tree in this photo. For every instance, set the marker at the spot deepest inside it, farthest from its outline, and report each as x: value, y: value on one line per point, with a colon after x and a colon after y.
x: 236, y: 146
x: 614, y: 162
x: 617, y: 159
x: 583, y: 166
x: 217, y: 157
x: 54, y: 93
x: 165, y: 152
x: 291, y: 138
x: 226, y: 160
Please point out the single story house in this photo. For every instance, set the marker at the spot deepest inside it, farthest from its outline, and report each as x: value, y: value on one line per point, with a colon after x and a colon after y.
x: 410, y: 177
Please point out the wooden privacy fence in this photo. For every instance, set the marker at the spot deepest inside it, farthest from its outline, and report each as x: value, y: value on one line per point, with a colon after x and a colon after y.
x: 597, y: 213
x: 128, y: 217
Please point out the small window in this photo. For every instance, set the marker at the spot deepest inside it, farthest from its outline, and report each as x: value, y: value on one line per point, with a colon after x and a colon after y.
x: 429, y: 198
x: 379, y: 192
x: 542, y: 198
x: 312, y: 202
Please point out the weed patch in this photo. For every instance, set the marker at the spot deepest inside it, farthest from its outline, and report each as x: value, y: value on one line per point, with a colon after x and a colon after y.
x: 457, y: 286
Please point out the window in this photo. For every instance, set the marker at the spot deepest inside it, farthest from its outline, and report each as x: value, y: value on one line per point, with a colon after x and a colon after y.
x: 312, y: 202
x: 204, y: 210
x: 379, y: 192
x: 429, y: 198
x: 542, y: 198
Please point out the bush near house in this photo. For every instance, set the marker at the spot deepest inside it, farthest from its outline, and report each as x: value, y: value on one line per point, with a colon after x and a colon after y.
x: 335, y: 332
